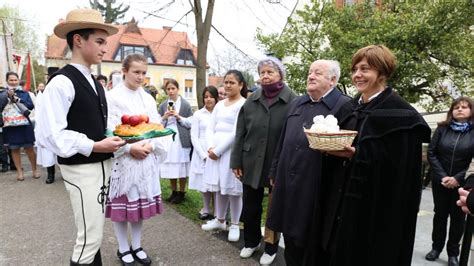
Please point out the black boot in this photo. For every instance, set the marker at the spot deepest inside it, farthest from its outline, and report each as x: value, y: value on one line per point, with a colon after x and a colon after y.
x: 96, y: 262
x: 97, y: 259
x: 4, y: 168
x: 179, y: 198
x: 173, y: 195
x: 50, y: 178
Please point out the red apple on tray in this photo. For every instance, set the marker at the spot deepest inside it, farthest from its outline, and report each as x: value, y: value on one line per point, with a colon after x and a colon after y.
x: 145, y: 118
x: 135, y: 120
x: 125, y: 119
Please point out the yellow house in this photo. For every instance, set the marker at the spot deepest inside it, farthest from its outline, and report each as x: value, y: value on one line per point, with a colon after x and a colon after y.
x: 170, y: 55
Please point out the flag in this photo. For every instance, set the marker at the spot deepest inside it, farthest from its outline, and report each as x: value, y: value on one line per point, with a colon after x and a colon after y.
x: 28, y: 74
x: 16, y: 60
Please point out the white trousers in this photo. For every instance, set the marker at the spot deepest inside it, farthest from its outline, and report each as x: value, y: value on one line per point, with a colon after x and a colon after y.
x: 83, y: 182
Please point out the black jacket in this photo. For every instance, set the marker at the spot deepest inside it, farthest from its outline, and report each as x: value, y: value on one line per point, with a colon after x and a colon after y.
x: 450, y: 153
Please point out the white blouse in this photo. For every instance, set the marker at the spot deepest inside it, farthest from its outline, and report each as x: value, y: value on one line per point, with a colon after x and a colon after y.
x: 133, y: 177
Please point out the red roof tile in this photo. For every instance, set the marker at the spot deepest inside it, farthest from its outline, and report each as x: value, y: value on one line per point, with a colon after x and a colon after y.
x: 215, y: 81
x: 163, y: 43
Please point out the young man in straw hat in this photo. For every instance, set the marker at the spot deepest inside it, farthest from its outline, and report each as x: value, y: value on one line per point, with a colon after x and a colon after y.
x: 72, y: 125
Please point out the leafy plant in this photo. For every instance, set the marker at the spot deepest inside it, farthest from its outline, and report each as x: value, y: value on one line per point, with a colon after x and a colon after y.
x: 431, y: 40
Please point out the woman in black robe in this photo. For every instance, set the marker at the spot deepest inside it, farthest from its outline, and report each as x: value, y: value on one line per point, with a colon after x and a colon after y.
x: 371, y: 191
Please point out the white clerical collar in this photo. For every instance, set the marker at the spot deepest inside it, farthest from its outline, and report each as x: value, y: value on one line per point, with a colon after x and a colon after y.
x: 370, y: 98
x: 326, y: 94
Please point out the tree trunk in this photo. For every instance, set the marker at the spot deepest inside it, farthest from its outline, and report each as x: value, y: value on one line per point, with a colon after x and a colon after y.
x: 203, y: 29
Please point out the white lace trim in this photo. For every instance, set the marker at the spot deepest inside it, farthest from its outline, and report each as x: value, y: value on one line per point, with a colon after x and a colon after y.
x: 128, y: 172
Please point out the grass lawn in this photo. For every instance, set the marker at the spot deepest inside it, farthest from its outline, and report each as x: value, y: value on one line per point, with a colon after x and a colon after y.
x: 192, y: 204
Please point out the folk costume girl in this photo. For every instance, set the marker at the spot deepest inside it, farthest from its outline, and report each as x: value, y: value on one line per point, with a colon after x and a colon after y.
x: 135, y: 192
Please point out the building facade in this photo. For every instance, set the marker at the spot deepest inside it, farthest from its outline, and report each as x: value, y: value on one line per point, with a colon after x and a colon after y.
x: 170, y: 55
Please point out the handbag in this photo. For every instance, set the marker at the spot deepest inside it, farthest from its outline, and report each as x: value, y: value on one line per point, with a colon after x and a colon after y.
x: 13, y: 117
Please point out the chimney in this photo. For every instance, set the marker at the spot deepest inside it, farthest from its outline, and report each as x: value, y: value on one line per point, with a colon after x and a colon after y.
x: 167, y: 28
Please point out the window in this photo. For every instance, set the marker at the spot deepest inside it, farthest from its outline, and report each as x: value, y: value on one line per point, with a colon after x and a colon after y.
x: 185, y: 57
x: 125, y: 50
x: 188, y: 88
x: 349, y: 2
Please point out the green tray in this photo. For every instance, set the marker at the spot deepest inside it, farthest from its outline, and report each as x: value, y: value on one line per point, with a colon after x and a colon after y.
x: 148, y: 135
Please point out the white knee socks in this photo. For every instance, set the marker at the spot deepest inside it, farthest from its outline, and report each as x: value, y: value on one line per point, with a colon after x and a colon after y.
x: 122, y: 239
x: 235, y: 208
x: 206, y: 200
x: 222, y: 201
x: 136, y: 232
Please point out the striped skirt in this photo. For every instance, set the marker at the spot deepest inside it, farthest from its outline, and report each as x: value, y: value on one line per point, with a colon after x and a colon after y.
x: 122, y: 210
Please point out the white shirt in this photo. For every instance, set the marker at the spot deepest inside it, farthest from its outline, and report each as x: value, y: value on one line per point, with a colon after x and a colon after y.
x: 326, y: 94
x: 361, y: 101
x: 200, y: 121
x: 52, y: 122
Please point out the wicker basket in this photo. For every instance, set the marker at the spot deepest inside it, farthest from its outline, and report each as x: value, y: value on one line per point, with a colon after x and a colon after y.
x: 330, y: 141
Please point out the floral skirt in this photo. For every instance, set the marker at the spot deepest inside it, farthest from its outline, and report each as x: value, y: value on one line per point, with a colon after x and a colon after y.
x: 122, y: 210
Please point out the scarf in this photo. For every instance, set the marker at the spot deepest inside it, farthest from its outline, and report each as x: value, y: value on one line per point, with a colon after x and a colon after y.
x: 270, y: 91
x: 460, y: 127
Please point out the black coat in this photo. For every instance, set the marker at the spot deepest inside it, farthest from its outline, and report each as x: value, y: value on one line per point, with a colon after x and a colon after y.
x: 450, y: 153
x: 370, y: 203
x: 297, y: 168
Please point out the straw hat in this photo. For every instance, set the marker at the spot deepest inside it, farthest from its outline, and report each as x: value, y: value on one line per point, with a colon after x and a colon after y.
x: 83, y: 18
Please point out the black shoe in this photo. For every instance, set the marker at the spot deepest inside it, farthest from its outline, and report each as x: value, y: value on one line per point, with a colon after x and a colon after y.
x: 453, y: 261
x: 179, y: 198
x: 145, y: 261
x: 205, y: 216
x: 4, y: 168
x: 432, y: 255
x: 121, y: 255
x: 50, y: 178
x: 173, y: 195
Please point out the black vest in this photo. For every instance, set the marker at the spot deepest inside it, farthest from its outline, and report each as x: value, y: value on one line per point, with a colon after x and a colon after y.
x: 87, y: 114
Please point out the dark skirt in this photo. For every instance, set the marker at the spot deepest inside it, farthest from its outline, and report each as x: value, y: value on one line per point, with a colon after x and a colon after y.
x: 19, y: 136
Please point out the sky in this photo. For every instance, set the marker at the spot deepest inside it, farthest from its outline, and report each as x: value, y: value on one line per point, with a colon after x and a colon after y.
x: 237, y: 20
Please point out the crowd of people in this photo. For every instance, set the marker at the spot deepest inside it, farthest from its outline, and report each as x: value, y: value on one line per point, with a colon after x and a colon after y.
x: 356, y: 206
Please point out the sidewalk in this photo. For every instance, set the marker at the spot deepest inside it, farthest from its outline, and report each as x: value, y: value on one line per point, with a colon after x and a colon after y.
x: 37, y: 228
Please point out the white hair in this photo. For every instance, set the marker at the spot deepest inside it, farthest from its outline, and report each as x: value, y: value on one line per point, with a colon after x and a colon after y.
x: 334, y: 68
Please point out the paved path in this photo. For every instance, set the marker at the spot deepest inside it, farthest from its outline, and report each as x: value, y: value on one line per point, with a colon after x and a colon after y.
x: 36, y: 228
